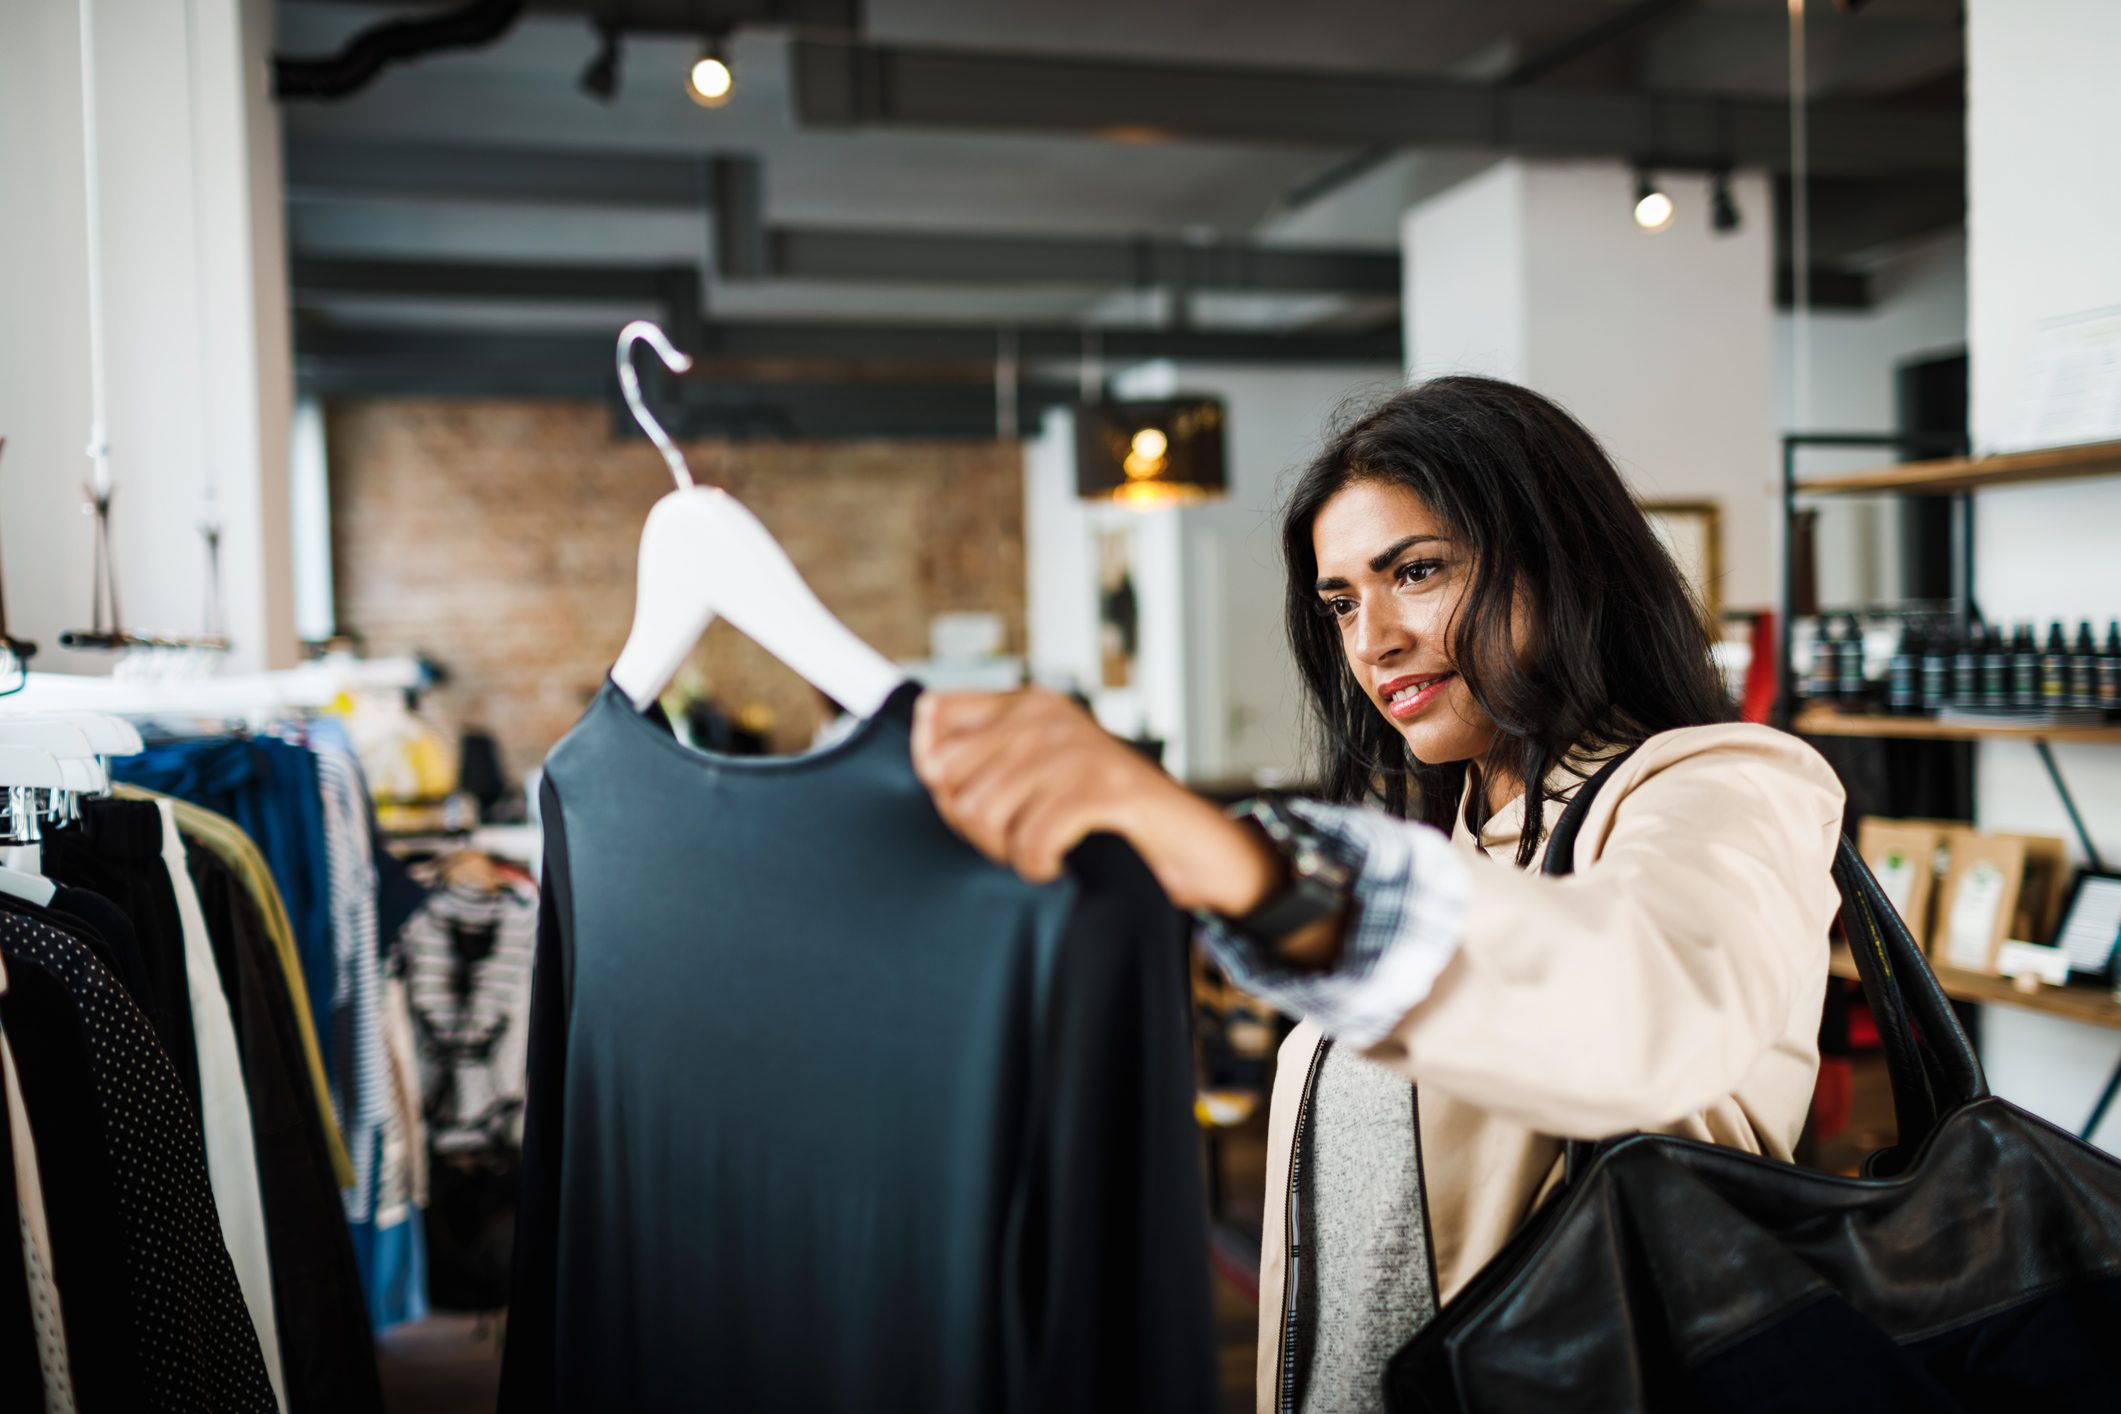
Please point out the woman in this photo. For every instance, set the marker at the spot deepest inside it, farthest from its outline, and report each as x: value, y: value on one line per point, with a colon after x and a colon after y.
x: 1481, y: 616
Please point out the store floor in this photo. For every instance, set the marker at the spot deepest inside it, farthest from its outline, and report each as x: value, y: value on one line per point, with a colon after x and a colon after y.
x: 446, y: 1364
x: 451, y: 1364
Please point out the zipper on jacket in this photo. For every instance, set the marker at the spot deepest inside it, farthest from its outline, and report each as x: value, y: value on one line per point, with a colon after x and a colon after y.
x: 1428, y: 1229
x: 1292, y: 1241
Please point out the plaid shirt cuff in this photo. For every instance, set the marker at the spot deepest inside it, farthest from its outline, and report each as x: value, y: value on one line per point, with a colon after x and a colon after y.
x: 1407, y: 912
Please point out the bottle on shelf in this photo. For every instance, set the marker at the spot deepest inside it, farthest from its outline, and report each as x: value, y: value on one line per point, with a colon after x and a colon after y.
x: 1938, y: 653
x: 1850, y: 684
x: 1903, y: 672
x: 1966, y: 666
x: 2084, y: 669
x: 2054, y: 670
x: 2025, y: 668
x: 2110, y: 669
x: 1996, y: 671
x: 1820, y: 679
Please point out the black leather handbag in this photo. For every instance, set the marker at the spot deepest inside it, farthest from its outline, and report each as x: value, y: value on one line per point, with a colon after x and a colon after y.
x: 1975, y: 1266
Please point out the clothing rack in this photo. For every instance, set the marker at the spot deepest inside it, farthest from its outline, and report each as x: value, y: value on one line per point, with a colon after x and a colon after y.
x: 310, y: 686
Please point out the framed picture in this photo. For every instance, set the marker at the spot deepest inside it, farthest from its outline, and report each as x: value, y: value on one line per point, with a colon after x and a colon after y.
x: 1118, y: 611
x: 2091, y: 923
x: 1692, y: 531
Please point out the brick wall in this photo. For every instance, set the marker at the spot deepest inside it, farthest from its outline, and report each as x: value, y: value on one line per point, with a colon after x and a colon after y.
x: 499, y: 538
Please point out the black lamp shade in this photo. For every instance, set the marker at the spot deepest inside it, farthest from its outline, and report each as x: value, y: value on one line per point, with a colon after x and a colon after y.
x: 1165, y: 452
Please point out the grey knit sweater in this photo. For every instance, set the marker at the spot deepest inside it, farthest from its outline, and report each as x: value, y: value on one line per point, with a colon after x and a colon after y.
x: 1366, y: 1288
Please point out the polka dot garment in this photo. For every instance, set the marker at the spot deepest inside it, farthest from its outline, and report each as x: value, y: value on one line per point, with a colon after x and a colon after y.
x: 51, y: 1334
x: 192, y: 1335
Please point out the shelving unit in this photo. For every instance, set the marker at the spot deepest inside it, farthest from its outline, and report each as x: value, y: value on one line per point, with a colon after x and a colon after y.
x: 1952, y: 475
x: 2090, y: 1005
x: 1958, y: 477
x: 1825, y: 721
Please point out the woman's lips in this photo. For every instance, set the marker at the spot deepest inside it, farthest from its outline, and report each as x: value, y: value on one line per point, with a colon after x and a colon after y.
x: 1407, y: 707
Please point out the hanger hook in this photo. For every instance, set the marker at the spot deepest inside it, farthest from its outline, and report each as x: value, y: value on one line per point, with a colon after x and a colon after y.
x: 642, y: 331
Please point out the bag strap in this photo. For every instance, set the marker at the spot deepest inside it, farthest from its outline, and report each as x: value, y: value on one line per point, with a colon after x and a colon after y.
x: 1559, y: 862
x: 1932, y: 1064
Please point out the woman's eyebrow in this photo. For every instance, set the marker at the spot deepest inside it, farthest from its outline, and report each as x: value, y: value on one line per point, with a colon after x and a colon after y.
x: 1382, y: 560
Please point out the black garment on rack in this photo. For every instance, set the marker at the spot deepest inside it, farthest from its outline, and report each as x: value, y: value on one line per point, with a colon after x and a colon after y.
x: 107, y: 931
x: 828, y: 1113
x: 50, y: 1040
x: 21, y: 1378
x: 189, y: 1335
x: 116, y: 852
x: 327, y: 1348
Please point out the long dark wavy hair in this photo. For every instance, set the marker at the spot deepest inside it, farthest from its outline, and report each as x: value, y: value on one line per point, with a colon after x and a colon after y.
x: 1617, y: 645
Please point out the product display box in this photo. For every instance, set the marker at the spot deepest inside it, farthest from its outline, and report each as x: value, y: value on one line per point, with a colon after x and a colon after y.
x: 1966, y: 892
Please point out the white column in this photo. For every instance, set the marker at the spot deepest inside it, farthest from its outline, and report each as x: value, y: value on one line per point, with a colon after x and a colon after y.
x: 194, y: 319
x: 1659, y: 342
x: 2043, y: 210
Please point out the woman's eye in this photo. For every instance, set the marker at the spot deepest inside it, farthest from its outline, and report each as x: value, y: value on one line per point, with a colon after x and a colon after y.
x: 1336, y: 608
x: 1415, y: 571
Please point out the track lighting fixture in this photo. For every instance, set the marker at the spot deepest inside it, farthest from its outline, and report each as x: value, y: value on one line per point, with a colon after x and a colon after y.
x: 1723, y: 212
x: 710, y: 81
x: 600, y: 77
x: 1653, y: 209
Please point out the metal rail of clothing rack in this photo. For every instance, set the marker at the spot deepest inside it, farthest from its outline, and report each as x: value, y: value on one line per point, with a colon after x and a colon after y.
x: 1964, y: 612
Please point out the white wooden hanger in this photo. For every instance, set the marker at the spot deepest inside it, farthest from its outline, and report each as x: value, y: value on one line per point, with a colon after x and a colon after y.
x: 705, y: 554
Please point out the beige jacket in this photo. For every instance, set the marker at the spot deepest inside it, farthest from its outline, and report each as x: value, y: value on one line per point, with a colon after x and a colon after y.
x: 1673, y: 984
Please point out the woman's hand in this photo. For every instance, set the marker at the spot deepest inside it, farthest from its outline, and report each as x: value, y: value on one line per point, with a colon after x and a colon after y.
x: 1025, y: 776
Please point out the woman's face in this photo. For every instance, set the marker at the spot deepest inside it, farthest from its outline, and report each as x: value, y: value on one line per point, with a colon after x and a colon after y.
x: 1391, y: 577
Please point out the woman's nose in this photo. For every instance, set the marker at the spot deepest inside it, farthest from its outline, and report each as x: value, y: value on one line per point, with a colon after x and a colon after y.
x: 1381, y: 638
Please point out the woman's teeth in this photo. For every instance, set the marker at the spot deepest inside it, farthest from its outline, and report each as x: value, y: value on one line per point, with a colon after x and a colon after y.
x: 1412, y: 688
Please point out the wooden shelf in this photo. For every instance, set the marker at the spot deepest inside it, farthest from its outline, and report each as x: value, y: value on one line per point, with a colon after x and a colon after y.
x: 1825, y: 721
x: 1937, y: 478
x: 2095, y: 1006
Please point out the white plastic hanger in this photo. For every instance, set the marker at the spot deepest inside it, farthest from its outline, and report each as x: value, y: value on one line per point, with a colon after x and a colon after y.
x: 108, y: 734
x: 68, y: 740
x: 704, y: 554
x: 24, y: 771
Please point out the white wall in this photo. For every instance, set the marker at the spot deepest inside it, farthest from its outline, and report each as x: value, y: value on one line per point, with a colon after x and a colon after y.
x: 1660, y: 343
x: 1464, y: 276
x: 195, y: 318
x: 2043, y: 217
x: 1918, y: 309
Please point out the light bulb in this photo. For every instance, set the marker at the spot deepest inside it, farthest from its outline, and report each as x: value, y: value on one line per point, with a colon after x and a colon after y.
x: 1653, y: 210
x: 1146, y: 455
x: 710, y: 82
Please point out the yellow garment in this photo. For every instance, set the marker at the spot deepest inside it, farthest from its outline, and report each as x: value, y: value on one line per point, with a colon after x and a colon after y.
x: 239, y: 852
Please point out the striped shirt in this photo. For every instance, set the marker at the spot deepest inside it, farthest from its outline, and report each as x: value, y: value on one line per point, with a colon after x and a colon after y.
x: 468, y: 966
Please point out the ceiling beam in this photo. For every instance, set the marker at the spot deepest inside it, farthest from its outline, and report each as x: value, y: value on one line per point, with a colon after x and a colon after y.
x: 1851, y: 218
x: 1830, y: 288
x: 1635, y: 20
x: 315, y: 277
x: 739, y: 409
x: 417, y: 352
x: 851, y: 84
x: 338, y: 168
x: 674, y: 16
x: 832, y: 254
x: 803, y: 253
